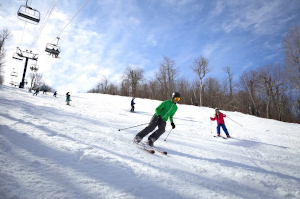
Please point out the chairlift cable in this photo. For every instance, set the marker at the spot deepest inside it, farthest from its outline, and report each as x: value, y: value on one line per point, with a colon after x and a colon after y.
x: 41, y: 27
x: 72, y: 18
x: 22, y: 34
x: 57, y: 37
x: 44, y: 23
x: 24, y: 27
x: 46, y: 18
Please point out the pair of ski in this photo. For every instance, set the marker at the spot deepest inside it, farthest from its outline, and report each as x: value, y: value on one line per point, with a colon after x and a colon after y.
x: 220, y: 137
x: 152, y: 150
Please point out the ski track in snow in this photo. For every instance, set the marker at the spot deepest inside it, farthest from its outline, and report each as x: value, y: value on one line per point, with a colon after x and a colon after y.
x: 51, y: 150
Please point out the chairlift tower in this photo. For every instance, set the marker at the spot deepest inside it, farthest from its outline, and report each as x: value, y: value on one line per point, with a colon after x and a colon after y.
x: 28, y: 55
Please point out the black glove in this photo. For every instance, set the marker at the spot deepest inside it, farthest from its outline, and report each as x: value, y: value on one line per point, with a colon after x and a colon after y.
x: 159, y: 119
x: 173, y: 125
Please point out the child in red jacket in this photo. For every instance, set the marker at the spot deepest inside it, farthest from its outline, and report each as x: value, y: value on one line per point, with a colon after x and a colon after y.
x: 220, y: 121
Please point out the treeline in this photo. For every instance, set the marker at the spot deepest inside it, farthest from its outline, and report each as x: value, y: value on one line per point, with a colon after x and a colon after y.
x: 5, y: 35
x: 36, y: 82
x: 269, y: 91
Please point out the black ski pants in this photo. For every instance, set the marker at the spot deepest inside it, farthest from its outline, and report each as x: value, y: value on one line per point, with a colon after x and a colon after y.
x: 151, y: 126
x: 132, y: 108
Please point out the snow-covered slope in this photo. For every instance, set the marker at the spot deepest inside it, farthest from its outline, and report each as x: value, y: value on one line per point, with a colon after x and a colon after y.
x: 51, y: 150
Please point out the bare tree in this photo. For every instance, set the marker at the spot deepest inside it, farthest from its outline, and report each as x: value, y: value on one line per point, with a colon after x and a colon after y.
x: 291, y: 49
x: 35, y: 80
x: 102, y: 86
x: 227, y: 69
x: 184, y: 89
x: 194, y: 86
x: 124, y: 91
x: 201, y: 68
x: 274, y: 87
x: 166, y: 75
x: 143, y: 90
x: 154, y: 89
x: 161, y: 76
x: 113, y: 89
x: 5, y: 35
x: 249, y: 82
x: 266, y: 80
x: 212, y: 92
x: 134, y: 75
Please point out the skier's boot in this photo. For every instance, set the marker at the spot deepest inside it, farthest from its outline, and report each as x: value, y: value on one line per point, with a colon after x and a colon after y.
x: 218, y: 135
x: 149, y: 142
x: 228, y: 136
x: 137, y: 139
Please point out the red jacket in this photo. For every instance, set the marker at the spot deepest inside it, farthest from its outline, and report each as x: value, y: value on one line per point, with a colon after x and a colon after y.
x: 219, y: 118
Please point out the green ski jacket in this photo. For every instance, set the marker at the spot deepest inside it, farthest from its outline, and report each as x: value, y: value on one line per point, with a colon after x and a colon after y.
x: 166, y: 109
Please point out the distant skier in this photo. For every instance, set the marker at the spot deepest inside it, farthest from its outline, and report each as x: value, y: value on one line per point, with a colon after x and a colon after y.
x: 220, y: 121
x: 36, y: 92
x: 55, y: 93
x: 165, y: 110
x: 132, y: 104
x: 68, y: 99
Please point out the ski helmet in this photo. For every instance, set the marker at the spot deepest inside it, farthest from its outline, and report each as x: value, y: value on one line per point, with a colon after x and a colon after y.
x: 175, y: 94
x: 217, y: 109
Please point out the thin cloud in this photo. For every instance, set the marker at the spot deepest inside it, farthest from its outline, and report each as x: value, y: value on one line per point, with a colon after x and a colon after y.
x: 258, y: 17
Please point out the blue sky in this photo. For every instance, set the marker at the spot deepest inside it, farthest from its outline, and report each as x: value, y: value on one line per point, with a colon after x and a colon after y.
x: 108, y: 35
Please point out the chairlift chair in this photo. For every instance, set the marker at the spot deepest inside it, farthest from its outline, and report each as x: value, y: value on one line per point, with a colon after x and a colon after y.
x: 53, y: 49
x: 17, y: 57
x: 28, y: 14
x: 14, y: 74
x: 11, y: 82
x: 34, y: 67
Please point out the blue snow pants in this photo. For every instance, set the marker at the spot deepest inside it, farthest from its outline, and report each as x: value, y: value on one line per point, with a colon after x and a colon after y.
x: 223, y: 127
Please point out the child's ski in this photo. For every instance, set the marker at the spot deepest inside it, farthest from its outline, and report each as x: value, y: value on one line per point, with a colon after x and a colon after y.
x: 220, y: 137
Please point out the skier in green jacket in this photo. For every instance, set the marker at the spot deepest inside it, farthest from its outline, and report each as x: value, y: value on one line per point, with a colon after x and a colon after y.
x: 68, y: 99
x: 163, y: 112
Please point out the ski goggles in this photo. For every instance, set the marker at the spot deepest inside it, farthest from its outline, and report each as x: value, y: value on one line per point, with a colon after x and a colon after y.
x: 177, y: 98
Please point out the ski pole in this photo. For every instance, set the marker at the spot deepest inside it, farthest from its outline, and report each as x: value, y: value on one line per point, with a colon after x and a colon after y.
x: 233, y: 120
x: 210, y: 126
x: 168, y: 134
x: 132, y: 127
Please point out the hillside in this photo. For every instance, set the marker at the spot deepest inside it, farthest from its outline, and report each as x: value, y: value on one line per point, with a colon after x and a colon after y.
x: 51, y: 150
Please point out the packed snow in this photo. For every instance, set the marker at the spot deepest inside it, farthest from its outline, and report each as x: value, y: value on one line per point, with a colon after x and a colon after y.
x: 51, y: 150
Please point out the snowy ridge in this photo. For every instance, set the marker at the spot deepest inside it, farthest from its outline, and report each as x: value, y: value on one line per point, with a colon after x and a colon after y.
x: 51, y: 150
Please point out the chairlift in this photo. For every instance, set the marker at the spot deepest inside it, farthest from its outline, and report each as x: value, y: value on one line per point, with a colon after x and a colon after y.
x: 12, y: 82
x: 53, y: 49
x: 13, y: 73
x: 34, y: 67
x: 18, y: 55
x: 28, y: 14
